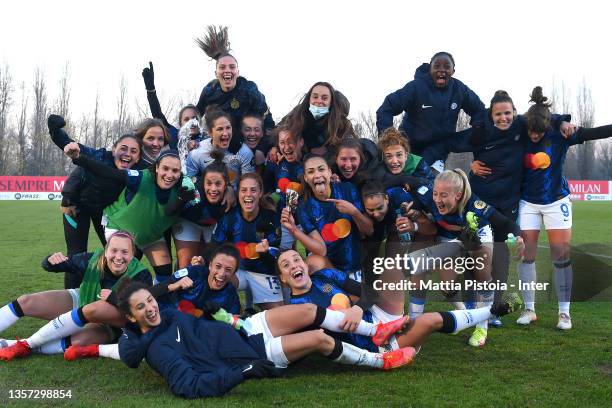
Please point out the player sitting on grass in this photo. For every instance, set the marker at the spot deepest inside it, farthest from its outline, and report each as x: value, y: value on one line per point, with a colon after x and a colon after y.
x: 323, y: 285
x: 200, y: 358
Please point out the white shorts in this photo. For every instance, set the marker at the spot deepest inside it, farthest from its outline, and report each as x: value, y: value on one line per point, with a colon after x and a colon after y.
x: 557, y: 215
x: 355, y: 275
x: 274, y: 346
x: 264, y: 288
x: 110, y: 231
x: 184, y: 230
x: 74, y: 294
x: 485, y: 234
x: 380, y: 316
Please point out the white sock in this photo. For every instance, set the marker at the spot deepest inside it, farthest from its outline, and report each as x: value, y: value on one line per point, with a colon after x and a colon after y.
x: 51, y: 347
x: 356, y: 356
x: 109, y: 351
x: 333, y: 318
x: 469, y: 317
x: 6, y: 343
x: 7, y: 317
x: 527, y: 274
x: 485, y: 299
x: 564, y: 307
x: 416, y: 307
x: 62, y: 326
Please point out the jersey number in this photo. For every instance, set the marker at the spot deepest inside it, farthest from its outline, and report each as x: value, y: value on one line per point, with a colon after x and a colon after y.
x: 565, y: 210
x: 273, y: 283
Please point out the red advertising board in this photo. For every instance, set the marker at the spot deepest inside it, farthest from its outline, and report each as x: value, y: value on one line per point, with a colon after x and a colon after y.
x: 590, y: 189
x: 31, y: 187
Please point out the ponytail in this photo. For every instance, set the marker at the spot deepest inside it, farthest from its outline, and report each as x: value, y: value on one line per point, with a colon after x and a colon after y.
x: 460, y: 183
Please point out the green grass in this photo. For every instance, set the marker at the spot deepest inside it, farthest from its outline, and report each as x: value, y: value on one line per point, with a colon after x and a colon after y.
x: 533, y: 366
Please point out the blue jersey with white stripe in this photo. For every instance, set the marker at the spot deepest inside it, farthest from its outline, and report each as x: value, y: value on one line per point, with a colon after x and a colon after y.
x: 344, y: 253
x: 543, y: 181
x: 325, y: 284
x: 245, y: 234
x: 200, y: 292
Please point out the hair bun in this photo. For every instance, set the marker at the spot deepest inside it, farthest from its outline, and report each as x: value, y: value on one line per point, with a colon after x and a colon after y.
x: 537, y: 96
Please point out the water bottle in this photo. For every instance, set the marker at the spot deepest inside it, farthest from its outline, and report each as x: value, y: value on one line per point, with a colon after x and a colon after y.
x: 404, y: 237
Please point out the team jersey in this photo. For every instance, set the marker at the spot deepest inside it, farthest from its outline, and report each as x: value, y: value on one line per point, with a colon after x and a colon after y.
x: 237, y: 164
x: 481, y: 209
x: 543, y: 181
x: 245, y: 235
x: 327, y: 283
x: 201, y: 293
x: 289, y: 171
x: 343, y: 250
x: 141, y: 202
x: 397, y: 196
x: 204, y: 213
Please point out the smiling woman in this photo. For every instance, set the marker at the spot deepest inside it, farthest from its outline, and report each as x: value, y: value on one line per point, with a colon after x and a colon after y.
x: 71, y: 311
x: 229, y: 91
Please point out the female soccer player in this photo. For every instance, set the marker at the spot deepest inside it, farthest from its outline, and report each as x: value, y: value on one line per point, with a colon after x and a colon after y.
x: 355, y: 158
x: 186, y: 113
x: 319, y: 287
x: 200, y: 358
x: 150, y: 203
x: 85, y: 195
x: 545, y: 196
x: 396, y: 155
x: 253, y: 226
x: 320, y: 119
x: 196, y: 225
x: 154, y: 137
x: 391, y: 219
x: 71, y: 311
x: 219, y: 124
x: 431, y: 104
x: 450, y: 203
x: 331, y: 216
x: 253, y: 135
x: 287, y: 173
x: 229, y: 91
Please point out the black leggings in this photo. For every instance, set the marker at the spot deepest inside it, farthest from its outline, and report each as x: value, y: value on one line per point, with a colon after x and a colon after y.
x: 501, y: 253
x: 76, y: 238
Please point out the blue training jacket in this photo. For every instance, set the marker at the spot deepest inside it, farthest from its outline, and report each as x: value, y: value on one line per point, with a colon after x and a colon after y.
x: 430, y: 112
x: 196, y: 357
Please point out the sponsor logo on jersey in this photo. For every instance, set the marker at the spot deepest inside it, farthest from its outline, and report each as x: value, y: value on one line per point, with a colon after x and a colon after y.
x: 454, y: 105
x: 423, y: 106
x: 181, y: 273
x: 422, y: 190
x: 478, y: 204
x: 133, y: 173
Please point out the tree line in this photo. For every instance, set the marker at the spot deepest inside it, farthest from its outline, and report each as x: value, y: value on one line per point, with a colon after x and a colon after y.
x: 26, y: 148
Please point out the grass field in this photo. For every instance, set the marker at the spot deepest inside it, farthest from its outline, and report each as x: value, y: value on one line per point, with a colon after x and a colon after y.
x: 533, y: 366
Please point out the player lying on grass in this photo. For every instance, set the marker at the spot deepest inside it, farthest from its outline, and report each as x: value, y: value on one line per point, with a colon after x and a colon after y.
x: 75, y: 314
x: 200, y: 358
x: 320, y: 287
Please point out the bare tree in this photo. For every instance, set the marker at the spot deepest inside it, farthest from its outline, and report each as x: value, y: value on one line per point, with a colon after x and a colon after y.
x: 38, y: 165
x: 365, y: 125
x: 122, y: 109
x: 61, y: 107
x: 6, y: 90
x: 585, y: 115
x: 21, y: 132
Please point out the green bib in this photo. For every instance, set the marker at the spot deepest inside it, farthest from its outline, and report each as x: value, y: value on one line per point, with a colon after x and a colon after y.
x: 90, y: 288
x: 412, y: 163
x: 144, y: 217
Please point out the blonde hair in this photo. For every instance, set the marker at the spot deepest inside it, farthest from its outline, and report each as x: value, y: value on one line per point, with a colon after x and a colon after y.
x: 459, y: 182
x: 102, y: 263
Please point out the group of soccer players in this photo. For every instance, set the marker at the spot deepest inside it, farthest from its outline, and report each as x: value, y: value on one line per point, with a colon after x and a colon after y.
x: 293, y: 215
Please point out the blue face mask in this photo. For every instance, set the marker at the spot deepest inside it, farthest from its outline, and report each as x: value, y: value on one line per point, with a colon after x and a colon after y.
x: 318, y: 111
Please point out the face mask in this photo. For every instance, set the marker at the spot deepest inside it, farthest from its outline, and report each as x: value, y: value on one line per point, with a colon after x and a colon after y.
x: 318, y: 111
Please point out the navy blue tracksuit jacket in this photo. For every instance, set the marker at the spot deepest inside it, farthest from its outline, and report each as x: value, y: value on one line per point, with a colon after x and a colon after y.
x: 196, y: 357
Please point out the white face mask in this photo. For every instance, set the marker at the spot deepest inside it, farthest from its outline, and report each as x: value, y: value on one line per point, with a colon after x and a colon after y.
x: 318, y: 111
